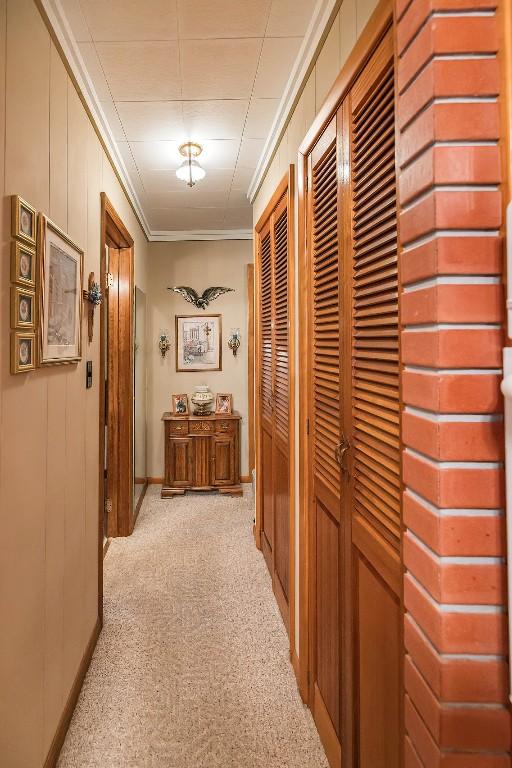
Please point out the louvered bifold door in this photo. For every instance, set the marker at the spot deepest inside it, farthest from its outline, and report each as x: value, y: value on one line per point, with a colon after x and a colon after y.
x: 281, y: 399
x: 373, y: 418
x: 266, y: 393
x: 325, y: 436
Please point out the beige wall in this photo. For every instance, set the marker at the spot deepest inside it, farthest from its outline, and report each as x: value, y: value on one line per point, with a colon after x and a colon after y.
x: 48, y: 420
x: 200, y: 265
x: 348, y: 24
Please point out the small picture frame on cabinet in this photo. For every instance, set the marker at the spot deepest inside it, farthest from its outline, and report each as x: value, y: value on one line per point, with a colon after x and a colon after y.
x: 224, y: 404
x: 23, y: 264
x: 23, y: 308
x: 180, y: 405
x: 24, y: 220
x: 23, y: 352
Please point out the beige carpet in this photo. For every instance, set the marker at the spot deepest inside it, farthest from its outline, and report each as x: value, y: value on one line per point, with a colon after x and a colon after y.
x: 192, y: 668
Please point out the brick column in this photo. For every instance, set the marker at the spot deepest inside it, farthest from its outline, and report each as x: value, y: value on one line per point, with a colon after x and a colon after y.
x: 456, y: 678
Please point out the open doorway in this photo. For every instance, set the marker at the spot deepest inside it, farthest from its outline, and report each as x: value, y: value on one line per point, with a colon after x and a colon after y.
x: 117, y: 376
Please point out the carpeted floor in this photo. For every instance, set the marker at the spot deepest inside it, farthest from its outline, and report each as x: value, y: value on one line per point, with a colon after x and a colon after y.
x: 191, y: 669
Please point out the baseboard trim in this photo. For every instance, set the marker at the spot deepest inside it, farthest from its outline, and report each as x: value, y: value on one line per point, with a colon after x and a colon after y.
x: 106, y: 545
x: 155, y: 480
x: 62, y: 728
x: 246, y: 479
x: 139, y: 503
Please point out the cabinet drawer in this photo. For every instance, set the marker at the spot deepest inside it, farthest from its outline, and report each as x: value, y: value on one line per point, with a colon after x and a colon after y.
x: 226, y: 426
x: 202, y: 427
x: 178, y: 427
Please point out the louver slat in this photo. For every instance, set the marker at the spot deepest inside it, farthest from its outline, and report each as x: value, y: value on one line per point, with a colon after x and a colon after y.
x: 266, y: 326
x: 375, y: 349
x: 325, y: 320
x: 281, y: 369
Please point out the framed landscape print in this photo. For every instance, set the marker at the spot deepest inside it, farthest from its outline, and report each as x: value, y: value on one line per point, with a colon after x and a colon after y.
x: 23, y: 308
x: 24, y: 220
x: 60, y: 327
x: 198, y: 342
x: 23, y: 264
x: 180, y: 405
x: 23, y: 351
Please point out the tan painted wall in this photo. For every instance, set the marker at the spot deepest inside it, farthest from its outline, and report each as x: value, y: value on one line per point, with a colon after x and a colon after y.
x: 200, y: 265
x: 48, y: 420
x: 348, y: 24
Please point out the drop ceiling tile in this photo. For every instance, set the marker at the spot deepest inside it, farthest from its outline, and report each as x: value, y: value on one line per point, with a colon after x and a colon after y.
x: 152, y: 120
x: 95, y: 71
x: 238, y: 198
x: 113, y: 120
x: 138, y: 71
x: 186, y: 218
x: 250, y: 152
x: 131, y: 19
x: 239, y: 218
x: 219, y: 69
x: 163, y: 181
x: 242, y: 177
x: 124, y: 150
x: 214, y: 119
x: 260, y: 117
x: 276, y: 62
x: 198, y: 196
x: 76, y: 19
x: 220, y: 153
x: 290, y: 18
x: 222, y: 18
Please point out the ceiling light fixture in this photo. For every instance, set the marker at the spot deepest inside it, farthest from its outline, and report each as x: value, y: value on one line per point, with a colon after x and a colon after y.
x: 190, y: 170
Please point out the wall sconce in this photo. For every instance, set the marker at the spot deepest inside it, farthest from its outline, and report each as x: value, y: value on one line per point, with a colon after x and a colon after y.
x: 234, y: 340
x: 164, y: 343
x: 94, y: 296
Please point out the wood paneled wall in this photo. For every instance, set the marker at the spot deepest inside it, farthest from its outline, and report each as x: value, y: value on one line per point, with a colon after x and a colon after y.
x: 50, y: 154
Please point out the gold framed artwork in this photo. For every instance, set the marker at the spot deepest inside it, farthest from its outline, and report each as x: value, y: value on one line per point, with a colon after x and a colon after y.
x: 23, y: 351
x: 23, y: 308
x: 23, y: 264
x: 180, y: 405
x: 198, y: 342
x: 224, y: 404
x: 23, y: 220
x: 61, y: 268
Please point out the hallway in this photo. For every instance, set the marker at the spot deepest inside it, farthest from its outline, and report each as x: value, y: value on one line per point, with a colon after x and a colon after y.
x: 192, y: 667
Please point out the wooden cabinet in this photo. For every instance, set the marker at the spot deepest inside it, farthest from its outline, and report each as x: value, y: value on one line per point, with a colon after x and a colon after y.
x: 202, y: 453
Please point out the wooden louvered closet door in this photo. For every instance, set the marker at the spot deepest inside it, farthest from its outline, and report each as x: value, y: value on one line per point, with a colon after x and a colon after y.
x: 372, y: 418
x: 354, y: 517
x: 274, y: 398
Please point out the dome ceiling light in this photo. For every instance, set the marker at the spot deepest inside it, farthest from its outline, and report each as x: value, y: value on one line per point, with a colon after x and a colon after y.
x: 190, y: 170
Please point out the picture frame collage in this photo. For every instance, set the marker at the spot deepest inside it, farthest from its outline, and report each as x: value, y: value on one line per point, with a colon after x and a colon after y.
x: 46, y: 291
x: 223, y: 404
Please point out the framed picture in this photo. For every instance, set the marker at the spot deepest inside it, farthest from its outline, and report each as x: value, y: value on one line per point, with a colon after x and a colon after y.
x: 24, y: 220
x: 198, y: 342
x: 23, y: 308
x: 224, y: 404
x: 180, y: 405
x: 61, y: 265
x: 23, y: 351
x: 23, y: 264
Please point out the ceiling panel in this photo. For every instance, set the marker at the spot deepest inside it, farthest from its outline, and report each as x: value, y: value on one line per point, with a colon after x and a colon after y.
x: 197, y: 196
x: 276, y: 62
x: 151, y: 120
x: 290, y: 18
x: 260, y: 117
x: 250, y: 151
x: 161, y: 181
x: 164, y: 155
x: 223, y: 18
x: 76, y: 20
x: 95, y: 70
x: 238, y: 218
x: 131, y: 19
x: 138, y: 71
x: 113, y: 120
x: 187, y: 218
x: 219, y: 69
x: 214, y: 119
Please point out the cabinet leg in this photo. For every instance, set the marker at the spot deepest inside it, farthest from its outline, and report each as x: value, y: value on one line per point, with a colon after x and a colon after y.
x: 168, y: 493
x: 233, y: 490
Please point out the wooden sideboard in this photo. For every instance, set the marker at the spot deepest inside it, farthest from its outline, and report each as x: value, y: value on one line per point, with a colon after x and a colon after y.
x: 202, y: 453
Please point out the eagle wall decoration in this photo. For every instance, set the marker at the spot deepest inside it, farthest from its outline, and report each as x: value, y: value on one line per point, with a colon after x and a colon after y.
x: 201, y: 302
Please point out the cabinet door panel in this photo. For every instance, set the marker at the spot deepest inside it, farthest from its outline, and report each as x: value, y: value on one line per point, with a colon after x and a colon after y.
x: 180, y: 464
x: 223, y: 460
x: 202, y: 463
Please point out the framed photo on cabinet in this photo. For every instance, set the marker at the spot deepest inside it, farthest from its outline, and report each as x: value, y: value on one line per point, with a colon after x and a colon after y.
x: 61, y: 265
x: 23, y: 351
x: 224, y: 404
x: 180, y: 405
x: 23, y: 308
x: 198, y: 342
x: 23, y: 264
x: 24, y: 220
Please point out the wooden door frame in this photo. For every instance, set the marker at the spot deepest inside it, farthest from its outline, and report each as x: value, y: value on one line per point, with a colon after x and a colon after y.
x: 285, y: 187
x: 377, y: 26
x: 114, y: 234
x: 250, y: 367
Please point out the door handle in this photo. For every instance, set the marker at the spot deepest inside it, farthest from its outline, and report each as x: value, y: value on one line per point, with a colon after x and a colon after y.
x: 339, y: 452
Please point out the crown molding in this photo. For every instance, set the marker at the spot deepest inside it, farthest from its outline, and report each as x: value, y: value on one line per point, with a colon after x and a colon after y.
x: 316, y: 33
x: 201, y: 234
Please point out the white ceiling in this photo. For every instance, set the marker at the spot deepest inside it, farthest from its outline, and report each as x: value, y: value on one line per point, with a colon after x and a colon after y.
x: 169, y: 71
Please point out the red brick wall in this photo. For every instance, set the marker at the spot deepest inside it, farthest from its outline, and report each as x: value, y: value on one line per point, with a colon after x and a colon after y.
x: 456, y: 677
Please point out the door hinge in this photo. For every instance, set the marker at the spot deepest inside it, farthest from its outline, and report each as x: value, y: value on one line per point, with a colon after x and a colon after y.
x: 109, y: 280
x: 307, y: 426
x: 108, y: 506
